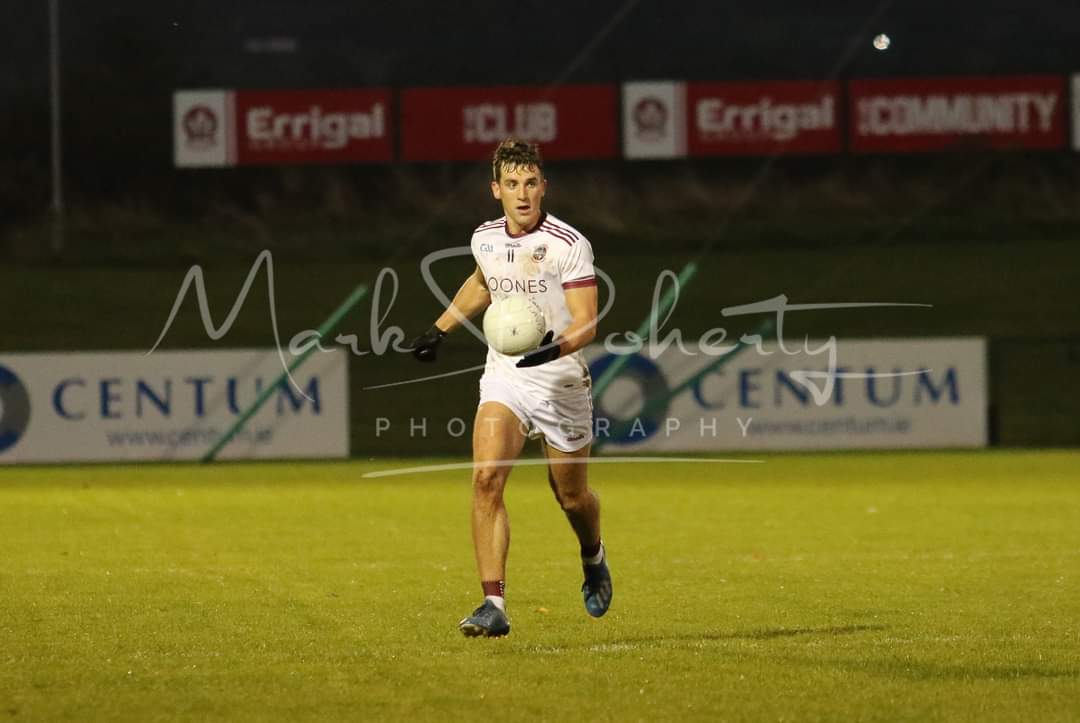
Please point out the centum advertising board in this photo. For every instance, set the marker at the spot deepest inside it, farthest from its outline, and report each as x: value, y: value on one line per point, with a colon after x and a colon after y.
x: 169, y: 405
x: 896, y: 393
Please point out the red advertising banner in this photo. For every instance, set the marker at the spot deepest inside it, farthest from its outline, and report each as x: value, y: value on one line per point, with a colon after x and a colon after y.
x: 935, y: 114
x: 449, y: 124
x: 763, y: 118
x: 313, y: 126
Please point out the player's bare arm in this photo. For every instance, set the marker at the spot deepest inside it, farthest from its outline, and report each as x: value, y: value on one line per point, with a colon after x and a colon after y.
x: 472, y: 298
x: 582, y: 305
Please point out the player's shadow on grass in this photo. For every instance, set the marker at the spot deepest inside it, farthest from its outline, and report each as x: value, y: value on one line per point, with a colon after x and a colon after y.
x: 763, y: 634
x: 891, y: 668
x: 918, y: 670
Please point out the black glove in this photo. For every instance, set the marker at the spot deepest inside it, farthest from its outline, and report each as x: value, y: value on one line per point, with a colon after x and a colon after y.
x: 547, y: 351
x: 426, y: 346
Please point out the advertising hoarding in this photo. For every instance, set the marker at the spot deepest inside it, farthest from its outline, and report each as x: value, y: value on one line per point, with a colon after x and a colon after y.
x: 169, y: 405
x: 465, y: 124
x: 896, y: 393
x: 957, y: 113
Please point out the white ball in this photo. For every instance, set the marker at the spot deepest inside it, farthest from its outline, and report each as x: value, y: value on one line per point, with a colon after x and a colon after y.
x: 514, y: 325
x: 881, y: 41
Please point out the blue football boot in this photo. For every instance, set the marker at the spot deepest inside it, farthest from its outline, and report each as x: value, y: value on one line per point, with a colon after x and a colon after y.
x: 597, y: 589
x: 487, y: 621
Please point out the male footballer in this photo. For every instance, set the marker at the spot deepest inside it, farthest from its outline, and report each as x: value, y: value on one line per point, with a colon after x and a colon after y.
x: 543, y: 393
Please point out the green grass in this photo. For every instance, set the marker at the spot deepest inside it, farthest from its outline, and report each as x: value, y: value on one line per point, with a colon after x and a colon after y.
x: 810, y: 587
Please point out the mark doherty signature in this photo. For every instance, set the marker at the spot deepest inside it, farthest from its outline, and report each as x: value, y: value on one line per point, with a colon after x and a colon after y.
x: 653, y: 343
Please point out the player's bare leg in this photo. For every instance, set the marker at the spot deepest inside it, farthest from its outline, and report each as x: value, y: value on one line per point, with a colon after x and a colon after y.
x: 568, y: 475
x: 497, y: 441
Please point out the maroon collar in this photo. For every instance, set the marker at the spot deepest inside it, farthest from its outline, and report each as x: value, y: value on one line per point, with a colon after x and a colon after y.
x: 539, y: 223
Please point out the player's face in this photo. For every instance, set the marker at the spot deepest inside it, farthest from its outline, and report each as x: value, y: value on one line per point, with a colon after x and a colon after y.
x: 520, y: 189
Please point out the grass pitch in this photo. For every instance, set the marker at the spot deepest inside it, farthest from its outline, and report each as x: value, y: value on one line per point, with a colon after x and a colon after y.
x: 809, y: 587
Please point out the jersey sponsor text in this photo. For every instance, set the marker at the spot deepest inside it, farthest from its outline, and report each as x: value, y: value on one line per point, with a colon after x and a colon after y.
x: 518, y: 286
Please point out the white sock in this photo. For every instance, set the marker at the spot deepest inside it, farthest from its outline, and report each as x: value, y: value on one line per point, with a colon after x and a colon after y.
x: 498, y: 600
x: 596, y: 559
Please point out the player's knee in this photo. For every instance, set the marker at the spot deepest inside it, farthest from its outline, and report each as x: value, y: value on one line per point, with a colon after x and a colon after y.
x: 571, y: 500
x: 488, y: 482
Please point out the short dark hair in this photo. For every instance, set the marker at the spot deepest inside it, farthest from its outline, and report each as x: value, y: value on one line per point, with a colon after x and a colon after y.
x: 514, y: 153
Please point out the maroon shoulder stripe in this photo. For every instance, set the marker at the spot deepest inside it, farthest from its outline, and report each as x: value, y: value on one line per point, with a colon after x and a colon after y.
x: 564, y: 229
x: 486, y: 226
x: 558, y: 234
x: 577, y: 283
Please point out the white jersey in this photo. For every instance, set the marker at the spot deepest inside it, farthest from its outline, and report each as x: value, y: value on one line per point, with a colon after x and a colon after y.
x: 541, y: 265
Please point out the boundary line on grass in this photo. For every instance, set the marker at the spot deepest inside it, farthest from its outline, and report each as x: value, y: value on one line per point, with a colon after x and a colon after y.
x: 544, y: 461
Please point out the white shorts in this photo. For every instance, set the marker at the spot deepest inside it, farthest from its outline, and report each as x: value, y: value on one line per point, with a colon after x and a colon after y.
x: 564, y: 421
